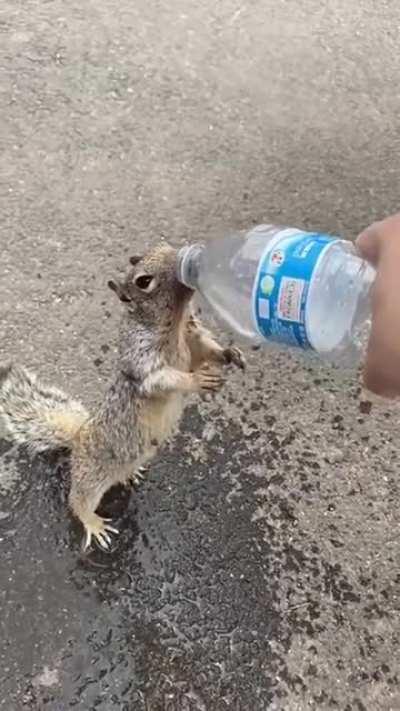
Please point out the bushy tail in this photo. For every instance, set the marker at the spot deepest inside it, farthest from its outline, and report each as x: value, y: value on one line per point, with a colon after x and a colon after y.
x: 41, y: 417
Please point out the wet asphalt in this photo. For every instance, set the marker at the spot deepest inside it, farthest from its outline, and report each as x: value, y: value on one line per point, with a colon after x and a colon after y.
x: 257, y: 567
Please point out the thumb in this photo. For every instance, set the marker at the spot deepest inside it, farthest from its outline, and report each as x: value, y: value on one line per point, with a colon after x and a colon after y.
x: 378, y: 237
x: 368, y: 243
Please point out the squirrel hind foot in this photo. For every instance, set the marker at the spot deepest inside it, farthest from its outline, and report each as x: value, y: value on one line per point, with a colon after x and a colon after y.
x: 98, y: 528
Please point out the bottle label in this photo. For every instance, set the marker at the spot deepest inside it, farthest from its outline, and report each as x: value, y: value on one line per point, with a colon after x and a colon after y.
x: 285, y: 273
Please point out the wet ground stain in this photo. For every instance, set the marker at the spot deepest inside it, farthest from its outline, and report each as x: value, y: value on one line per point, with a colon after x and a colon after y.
x: 229, y: 587
x: 178, y: 615
x: 249, y: 570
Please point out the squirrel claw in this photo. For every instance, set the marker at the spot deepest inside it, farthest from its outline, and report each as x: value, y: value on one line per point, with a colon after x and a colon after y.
x: 138, y: 476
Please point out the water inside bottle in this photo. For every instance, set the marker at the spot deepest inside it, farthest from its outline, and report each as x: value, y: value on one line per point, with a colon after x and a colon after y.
x: 338, y: 303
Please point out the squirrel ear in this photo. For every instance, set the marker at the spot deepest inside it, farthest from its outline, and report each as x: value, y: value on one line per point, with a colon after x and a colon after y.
x: 119, y: 290
x: 135, y: 259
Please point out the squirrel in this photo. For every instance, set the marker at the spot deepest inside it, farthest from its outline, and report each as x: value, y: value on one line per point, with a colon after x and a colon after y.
x: 164, y: 353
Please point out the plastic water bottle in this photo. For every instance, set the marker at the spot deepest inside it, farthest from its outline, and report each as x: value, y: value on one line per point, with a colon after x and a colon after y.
x: 283, y: 285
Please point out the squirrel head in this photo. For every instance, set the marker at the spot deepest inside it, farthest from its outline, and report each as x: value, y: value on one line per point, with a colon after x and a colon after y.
x: 151, y: 292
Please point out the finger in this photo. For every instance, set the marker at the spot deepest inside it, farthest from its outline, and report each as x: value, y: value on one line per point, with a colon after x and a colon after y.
x: 212, y: 386
x: 101, y: 541
x: 111, y: 529
x: 377, y: 237
x: 240, y: 360
x: 368, y: 243
x: 205, y: 368
x: 106, y: 537
x: 88, y: 540
x: 213, y: 381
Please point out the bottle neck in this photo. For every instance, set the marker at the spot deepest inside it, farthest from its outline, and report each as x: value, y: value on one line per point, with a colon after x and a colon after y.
x: 188, y: 265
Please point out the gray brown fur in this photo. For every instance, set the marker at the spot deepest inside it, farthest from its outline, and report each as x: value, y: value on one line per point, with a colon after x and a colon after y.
x: 164, y: 354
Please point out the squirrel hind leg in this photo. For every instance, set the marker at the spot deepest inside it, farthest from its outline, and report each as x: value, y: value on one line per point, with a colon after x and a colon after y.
x: 83, y: 505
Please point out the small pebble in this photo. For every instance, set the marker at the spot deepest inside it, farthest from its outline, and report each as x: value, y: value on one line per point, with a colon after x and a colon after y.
x: 335, y: 455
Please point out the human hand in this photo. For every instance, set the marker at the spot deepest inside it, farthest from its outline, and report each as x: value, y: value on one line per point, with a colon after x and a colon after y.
x: 379, y: 244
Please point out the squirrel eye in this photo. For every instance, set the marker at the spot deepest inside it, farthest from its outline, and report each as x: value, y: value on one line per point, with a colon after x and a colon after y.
x: 144, y: 281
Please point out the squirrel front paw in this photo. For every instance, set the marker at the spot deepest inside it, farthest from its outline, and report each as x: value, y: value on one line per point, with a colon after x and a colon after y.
x: 207, y: 380
x: 234, y: 355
